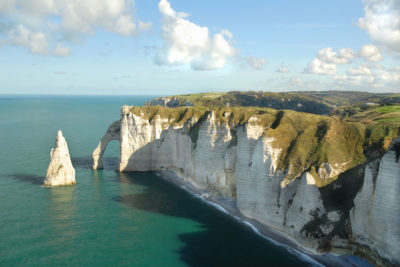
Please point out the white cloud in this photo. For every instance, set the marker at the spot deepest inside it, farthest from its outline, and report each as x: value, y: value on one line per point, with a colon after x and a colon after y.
x: 352, y: 80
x: 317, y: 66
x: 71, y: 20
x: 370, y: 53
x: 282, y: 69
x: 36, y: 42
x: 382, y: 22
x: 256, y: 63
x: 361, y: 70
x: 61, y: 51
x: 331, y: 57
x: 325, y: 63
x: 189, y: 43
x: 295, y: 81
x: 365, y: 78
x: 388, y: 77
x: 84, y: 17
x: 6, y: 5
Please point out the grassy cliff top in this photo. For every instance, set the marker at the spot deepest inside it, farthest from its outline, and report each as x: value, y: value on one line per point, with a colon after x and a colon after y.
x: 370, y: 114
x: 324, y: 102
x: 307, y: 141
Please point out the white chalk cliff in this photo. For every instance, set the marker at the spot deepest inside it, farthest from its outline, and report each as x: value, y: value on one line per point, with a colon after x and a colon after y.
x: 375, y: 218
x: 240, y: 162
x: 60, y: 170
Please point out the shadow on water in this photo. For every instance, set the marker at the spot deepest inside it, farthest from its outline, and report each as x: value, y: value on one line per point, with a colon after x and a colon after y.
x: 221, y: 241
x: 82, y: 163
x: 29, y: 178
x: 109, y: 163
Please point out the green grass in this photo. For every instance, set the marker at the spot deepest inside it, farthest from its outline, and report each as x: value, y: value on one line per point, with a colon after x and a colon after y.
x: 388, y: 109
x: 391, y: 119
x: 345, y: 103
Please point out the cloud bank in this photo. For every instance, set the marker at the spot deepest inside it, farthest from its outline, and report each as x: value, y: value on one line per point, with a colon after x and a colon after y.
x: 256, y: 63
x: 42, y: 25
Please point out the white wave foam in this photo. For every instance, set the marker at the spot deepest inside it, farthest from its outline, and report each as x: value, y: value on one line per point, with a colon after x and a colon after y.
x: 219, y: 207
x: 295, y: 252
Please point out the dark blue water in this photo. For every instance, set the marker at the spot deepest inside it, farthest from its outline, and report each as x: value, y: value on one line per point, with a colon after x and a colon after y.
x: 108, y: 218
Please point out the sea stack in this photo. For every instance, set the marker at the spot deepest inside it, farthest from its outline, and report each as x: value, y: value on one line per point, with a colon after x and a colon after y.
x: 60, y: 171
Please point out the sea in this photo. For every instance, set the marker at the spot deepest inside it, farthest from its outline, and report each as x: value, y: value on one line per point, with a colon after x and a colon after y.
x: 107, y: 218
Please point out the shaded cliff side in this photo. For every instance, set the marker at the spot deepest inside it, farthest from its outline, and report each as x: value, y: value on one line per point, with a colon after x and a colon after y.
x: 294, y: 172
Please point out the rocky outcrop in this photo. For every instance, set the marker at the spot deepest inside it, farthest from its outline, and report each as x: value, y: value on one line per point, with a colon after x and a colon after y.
x: 60, y: 170
x: 248, y: 158
x: 375, y: 218
x: 112, y: 133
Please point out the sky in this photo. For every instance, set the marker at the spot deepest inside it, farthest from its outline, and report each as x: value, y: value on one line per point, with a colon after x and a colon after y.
x: 165, y: 47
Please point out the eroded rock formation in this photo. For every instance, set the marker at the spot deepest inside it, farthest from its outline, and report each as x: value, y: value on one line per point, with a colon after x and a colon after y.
x: 113, y: 133
x: 60, y: 170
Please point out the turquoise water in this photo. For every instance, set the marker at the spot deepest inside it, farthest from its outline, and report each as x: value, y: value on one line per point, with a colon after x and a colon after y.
x: 108, y: 218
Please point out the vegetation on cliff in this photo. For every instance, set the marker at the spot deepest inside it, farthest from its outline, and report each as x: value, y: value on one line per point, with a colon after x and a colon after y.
x: 324, y: 102
x: 308, y: 142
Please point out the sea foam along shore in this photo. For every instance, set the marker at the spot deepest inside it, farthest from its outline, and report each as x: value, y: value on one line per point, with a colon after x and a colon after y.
x: 280, y: 239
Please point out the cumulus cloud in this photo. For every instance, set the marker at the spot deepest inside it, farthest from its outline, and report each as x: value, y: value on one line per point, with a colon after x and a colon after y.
x: 360, y: 70
x: 388, y: 77
x: 282, y: 69
x: 370, y: 53
x: 188, y: 43
x: 364, y: 77
x: 61, y: 51
x: 326, y: 61
x: 354, y: 80
x: 50, y: 20
x: 318, y: 66
x: 256, y: 63
x: 329, y: 56
x: 382, y: 22
x: 36, y: 42
x: 84, y: 17
x: 295, y: 81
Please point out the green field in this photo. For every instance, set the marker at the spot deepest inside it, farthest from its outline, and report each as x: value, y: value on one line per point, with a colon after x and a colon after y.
x: 392, y: 119
x: 389, y: 109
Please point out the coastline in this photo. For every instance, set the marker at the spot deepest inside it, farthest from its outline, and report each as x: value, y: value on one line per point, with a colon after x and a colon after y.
x: 278, y: 238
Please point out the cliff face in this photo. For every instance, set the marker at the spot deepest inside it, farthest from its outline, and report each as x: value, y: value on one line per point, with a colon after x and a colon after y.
x: 375, y: 218
x: 60, y: 170
x: 157, y: 145
x: 280, y: 168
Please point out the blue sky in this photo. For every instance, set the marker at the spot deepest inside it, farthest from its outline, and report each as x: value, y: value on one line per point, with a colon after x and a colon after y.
x: 150, y: 47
